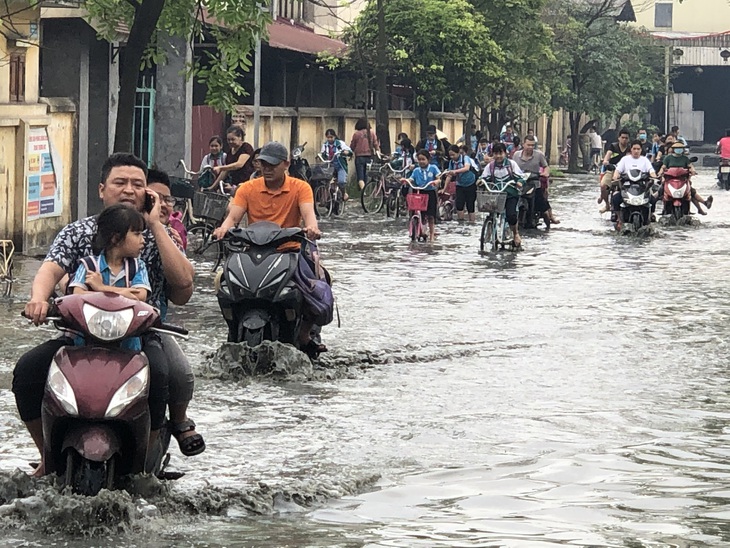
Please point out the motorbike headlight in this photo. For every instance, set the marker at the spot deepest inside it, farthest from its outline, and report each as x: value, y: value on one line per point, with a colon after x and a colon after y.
x: 107, y: 326
x: 128, y: 392
x: 61, y: 388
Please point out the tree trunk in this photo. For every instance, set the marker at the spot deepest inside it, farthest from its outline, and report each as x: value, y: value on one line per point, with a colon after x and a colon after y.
x: 423, y: 120
x: 549, y: 138
x: 382, y: 120
x: 574, y: 142
x: 467, y: 130
x: 146, y: 15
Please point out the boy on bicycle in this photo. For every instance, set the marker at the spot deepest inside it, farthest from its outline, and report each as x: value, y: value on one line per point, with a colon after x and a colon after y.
x: 426, y: 178
x: 509, y: 178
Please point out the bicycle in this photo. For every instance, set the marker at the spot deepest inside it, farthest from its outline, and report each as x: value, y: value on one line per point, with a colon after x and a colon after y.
x: 329, y: 198
x: 417, y: 204
x: 383, y: 188
x: 447, y: 204
x: 7, y: 249
x: 496, y: 232
x: 202, y: 214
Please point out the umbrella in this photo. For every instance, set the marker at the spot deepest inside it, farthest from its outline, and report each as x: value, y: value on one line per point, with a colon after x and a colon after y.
x: 441, y: 135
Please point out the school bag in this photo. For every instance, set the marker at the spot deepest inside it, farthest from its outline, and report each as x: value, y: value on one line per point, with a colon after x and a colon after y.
x: 131, y: 266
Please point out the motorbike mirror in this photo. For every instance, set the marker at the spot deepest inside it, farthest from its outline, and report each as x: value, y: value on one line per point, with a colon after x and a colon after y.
x: 693, y: 159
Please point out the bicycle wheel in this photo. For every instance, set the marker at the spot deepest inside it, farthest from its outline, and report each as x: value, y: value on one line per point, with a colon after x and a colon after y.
x: 338, y: 202
x: 7, y: 280
x: 372, y: 196
x: 414, y: 228
x: 322, y: 201
x: 391, y: 201
x: 487, y: 236
x: 200, y: 244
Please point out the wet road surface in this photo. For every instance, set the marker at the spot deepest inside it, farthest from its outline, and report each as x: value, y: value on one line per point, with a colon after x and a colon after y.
x: 575, y: 393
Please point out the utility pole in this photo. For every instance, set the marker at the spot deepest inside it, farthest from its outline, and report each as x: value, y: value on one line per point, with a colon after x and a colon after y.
x: 382, y: 120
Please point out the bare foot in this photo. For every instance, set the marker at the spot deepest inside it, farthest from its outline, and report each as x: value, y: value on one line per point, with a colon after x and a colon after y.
x: 40, y: 470
x: 555, y: 221
x: 517, y: 240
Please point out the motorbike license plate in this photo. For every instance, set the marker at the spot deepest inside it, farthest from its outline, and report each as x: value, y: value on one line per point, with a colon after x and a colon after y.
x: 725, y: 169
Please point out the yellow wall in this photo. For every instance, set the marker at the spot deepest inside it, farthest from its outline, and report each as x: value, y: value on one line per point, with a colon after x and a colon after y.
x: 15, y: 121
x: 708, y: 16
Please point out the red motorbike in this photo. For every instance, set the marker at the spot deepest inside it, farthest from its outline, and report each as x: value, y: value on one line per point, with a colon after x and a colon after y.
x: 677, y: 192
x: 96, y: 422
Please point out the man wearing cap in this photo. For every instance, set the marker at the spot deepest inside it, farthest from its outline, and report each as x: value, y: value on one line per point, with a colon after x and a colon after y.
x: 276, y: 197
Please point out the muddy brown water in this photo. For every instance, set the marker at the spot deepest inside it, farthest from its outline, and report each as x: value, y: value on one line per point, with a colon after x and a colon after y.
x: 575, y: 393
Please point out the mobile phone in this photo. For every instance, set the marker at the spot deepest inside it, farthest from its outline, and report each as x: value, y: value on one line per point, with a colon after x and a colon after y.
x: 149, y: 202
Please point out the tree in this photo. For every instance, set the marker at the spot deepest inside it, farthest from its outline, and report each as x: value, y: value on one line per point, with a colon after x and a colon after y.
x: 528, y: 60
x: 234, y: 26
x: 609, y: 69
x: 440, y: 49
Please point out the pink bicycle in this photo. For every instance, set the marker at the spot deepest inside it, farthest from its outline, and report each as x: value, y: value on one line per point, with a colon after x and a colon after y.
x: 417, y: 202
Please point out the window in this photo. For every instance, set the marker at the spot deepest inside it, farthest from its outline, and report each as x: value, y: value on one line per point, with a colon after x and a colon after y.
x: 663, y: 16
x: 17, y: 77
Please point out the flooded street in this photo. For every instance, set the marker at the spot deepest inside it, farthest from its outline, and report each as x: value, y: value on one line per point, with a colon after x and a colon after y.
x: 575, y: 393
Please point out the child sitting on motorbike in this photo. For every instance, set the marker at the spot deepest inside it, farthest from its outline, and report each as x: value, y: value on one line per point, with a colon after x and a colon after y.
x: 426, y: 177
x: 337, y: 152
x: 115, y: 267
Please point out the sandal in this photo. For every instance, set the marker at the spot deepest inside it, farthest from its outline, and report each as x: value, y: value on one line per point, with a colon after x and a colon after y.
x: 312, y: 349
x: 190, y: 445
x: 708, y: 202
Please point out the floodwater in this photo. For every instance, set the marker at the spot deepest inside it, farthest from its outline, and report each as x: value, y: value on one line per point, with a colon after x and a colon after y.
x: 575, y: 393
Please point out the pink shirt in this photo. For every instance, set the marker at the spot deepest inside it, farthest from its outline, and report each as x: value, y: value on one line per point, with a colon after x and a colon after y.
x: 724, y: 145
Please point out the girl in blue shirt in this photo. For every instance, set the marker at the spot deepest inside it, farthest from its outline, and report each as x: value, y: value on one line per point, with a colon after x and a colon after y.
x: 115, y: 267
x: 466, y: 183
x: 426, y: 176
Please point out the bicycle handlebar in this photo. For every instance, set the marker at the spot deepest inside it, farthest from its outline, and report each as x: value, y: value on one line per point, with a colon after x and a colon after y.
x: 491, y: 186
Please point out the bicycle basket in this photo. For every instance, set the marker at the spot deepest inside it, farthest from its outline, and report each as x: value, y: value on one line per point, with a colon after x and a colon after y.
x: 491, y: 202
x: 374, y: 169
x: 210, y: 205
x: 417, y: 202
x: 322, y: 172
x: 181, y: 188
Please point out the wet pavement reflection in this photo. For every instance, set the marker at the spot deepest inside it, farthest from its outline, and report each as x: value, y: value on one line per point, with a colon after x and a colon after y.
x: 575, y: 393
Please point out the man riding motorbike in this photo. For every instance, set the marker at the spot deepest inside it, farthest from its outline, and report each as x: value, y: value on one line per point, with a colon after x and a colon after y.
x: 613, y: 156
x: 534, y: 162
x: 123, y: 181
x: 635, y: 160
x: 281, y: 199
x: 677, y: 158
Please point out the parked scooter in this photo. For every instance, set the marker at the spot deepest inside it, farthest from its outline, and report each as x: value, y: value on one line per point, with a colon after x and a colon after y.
x: 637, y: 190
x: 299, y: 166
x: 95, y: 416
x: 723, y: 174
x: 677, y: 192
x: 257, y: 295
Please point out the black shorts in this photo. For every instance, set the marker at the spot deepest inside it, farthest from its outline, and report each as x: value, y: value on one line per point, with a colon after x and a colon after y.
x: 541, y: 202
x: 466, y: 195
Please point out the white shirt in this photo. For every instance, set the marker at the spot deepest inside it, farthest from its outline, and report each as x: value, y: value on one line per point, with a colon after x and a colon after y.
x: 596, y: 141
x: 628, y: 163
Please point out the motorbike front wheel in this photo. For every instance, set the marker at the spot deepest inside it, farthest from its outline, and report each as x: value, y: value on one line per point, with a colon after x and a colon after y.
x: 86, y: 477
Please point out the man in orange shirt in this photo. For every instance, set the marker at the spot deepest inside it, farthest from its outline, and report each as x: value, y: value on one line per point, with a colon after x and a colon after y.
x: 278, y: 198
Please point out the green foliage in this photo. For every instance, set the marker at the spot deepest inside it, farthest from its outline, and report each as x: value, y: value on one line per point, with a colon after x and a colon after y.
x: 234, y: 27
x: 439, y: 48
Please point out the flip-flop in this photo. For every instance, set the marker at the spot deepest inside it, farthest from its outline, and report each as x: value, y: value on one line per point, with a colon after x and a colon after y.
x: 191, y: 445
x: 708, y: 202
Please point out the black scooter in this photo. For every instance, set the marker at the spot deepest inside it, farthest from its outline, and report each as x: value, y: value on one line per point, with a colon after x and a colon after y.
x: 637, y: 191
x: 529, y: 217
x: 723, y: 174
x: 299, y: 166
x: 257, y: 295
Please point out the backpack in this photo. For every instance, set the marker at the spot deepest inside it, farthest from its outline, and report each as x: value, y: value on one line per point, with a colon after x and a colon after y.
x: 316, y: 291
x: 131, y: 266
x: 493, y: 164
x: 474, y: 169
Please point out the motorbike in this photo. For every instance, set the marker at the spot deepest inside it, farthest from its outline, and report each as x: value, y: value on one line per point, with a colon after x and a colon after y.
x: 299, y: 166
x: 677, y: 192
x: 637, y: 189
x: 256, y: 291
x: 529, y: 217
x: 723, y: 174
x: 95, y: 416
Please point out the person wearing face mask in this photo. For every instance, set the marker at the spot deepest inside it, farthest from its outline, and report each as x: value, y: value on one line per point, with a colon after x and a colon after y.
x: 643, y: 137
x: 613, y: 156
x: 677, y: 158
